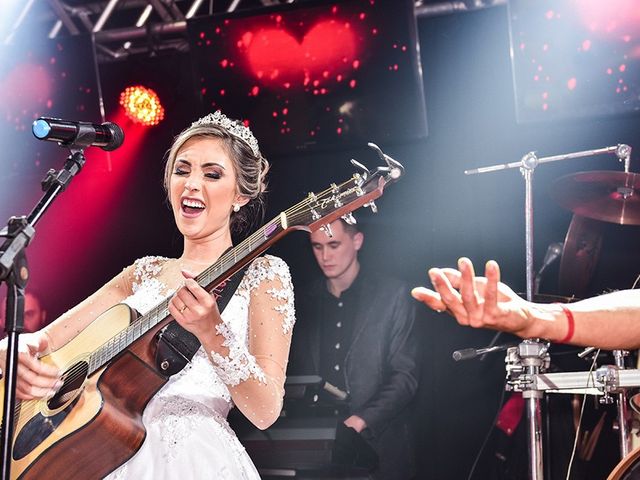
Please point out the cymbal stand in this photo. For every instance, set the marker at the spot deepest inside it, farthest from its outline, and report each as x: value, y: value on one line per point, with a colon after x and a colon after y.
x: 533, y: 348
x: 624, y: 432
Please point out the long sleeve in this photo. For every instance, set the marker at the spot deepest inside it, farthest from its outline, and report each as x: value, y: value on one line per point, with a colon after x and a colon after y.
x: 401, y: 376
x: 254, y: 370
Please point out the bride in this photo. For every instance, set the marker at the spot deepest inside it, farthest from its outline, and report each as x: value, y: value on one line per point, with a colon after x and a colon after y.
x: 215, y: 178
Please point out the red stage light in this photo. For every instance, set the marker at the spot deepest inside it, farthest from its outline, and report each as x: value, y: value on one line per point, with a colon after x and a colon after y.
x: 142, y: 105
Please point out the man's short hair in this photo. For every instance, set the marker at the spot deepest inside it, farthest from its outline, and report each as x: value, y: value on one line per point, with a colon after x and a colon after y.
x: 350, y: 229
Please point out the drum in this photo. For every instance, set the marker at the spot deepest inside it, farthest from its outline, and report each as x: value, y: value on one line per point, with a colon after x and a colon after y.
x: 598, y: 257
x: 628, y: 468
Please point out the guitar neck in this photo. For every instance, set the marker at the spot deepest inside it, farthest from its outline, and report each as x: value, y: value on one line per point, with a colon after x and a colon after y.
x: 240, y: 255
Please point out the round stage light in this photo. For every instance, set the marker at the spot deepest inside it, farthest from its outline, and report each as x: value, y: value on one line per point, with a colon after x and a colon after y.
x: 142, y: 105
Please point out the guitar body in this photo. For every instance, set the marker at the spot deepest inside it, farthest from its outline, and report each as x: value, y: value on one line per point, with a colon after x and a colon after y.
x: 93, y: 424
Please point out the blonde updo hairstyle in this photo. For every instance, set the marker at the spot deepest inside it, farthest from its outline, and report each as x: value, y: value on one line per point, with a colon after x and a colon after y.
x: 250, y: 169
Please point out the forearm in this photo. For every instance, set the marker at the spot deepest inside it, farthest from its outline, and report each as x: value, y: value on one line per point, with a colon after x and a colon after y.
x: 256, y: 382
x: 608, y: 321
x: 260, y: 400
x: 253, y: 364
x: 70, y: 324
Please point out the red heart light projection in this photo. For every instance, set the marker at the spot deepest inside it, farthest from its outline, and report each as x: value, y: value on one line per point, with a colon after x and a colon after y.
x: 327, y: 52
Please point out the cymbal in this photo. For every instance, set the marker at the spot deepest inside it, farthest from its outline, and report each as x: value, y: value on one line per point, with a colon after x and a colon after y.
x: 601, y: 195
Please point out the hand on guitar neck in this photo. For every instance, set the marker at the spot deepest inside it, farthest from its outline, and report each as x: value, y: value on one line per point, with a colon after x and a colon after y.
x: 196, y: 311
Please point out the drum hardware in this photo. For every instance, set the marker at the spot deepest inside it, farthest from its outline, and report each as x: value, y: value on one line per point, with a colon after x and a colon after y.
x: 587, y: 351
x: 624, y: 432
x: 520, y: 359
x: 527, y: 165
x: 611, y: 382
x: 605, y: 380
x: 533, y: 351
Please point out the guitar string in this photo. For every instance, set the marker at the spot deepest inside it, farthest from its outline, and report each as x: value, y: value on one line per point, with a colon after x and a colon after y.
x: 30, y: 407
x: 107, y: 349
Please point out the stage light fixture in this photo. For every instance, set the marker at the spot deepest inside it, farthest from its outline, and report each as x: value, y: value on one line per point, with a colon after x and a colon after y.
x: 142, y: 105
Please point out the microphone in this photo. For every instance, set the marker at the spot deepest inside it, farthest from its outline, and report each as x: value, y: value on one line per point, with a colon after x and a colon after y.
x: 107, y: 136
x: 553, y: 252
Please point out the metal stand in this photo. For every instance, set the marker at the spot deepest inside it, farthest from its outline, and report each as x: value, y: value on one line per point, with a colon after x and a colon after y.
x: 532, y: 352
x: 608, y: 381
x: 624, y: 432
x: 13, y: 270
x: 524, y: 362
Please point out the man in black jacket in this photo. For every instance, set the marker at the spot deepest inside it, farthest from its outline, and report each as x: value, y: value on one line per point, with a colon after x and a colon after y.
x: 355, y: 329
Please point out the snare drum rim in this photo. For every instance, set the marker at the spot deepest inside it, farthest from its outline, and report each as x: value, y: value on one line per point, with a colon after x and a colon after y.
x: 619, y: 471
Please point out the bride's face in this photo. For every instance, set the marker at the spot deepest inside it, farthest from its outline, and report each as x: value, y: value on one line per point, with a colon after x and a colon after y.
x: 203, y: 188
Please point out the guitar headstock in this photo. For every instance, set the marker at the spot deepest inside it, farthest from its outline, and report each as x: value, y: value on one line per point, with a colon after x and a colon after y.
x: 318, y: 210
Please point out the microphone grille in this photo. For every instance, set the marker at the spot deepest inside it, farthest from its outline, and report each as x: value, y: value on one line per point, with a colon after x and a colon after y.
x: 117, y: 136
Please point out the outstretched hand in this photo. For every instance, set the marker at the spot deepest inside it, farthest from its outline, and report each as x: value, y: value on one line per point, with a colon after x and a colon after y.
x: 476, y: 301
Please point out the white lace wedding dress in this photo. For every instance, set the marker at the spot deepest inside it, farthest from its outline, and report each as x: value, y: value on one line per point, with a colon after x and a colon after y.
x: 188, y: 436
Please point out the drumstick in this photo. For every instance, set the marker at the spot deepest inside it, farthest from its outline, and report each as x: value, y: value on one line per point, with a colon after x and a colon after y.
x: 594, y: 437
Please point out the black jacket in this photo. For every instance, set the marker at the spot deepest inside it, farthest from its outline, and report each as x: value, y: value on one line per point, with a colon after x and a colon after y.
x: 381, y: 369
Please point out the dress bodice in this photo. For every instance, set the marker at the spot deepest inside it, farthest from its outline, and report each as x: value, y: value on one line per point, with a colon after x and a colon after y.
x: 198, y: 399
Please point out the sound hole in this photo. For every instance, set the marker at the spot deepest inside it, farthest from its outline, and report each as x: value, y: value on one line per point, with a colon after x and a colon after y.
x: 72, y: 379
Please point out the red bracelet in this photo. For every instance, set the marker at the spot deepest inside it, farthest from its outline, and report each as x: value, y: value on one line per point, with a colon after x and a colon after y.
x: 571, y: 323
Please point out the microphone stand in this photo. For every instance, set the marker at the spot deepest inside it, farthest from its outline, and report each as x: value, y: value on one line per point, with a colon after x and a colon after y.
x: 532, y: 353
x: 15, y: 272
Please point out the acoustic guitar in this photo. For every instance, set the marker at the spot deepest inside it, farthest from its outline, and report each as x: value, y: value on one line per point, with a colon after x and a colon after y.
x: 93, y: 424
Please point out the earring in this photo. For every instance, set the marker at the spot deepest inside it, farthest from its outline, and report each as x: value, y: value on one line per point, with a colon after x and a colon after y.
x: 236, y: 207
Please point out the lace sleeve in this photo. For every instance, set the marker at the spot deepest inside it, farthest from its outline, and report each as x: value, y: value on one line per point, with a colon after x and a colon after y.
x: 254, y: 370
x: 74, y: 321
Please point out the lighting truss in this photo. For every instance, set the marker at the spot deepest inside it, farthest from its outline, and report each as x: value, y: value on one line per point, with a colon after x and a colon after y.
x: 121, y: 28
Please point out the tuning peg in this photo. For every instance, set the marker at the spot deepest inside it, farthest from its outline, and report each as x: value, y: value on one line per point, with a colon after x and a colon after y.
x: 326, y: 228
x: 349, y: 218
x: 372, y: 204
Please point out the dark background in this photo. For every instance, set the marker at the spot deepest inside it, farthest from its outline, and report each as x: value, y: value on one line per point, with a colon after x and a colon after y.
x: 429, y: 218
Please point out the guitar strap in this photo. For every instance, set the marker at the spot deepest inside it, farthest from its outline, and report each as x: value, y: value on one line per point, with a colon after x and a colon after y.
x: 177, y: 346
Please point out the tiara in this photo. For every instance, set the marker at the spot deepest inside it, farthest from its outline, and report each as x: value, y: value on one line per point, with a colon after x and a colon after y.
x: 235, y: 128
